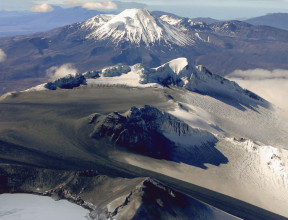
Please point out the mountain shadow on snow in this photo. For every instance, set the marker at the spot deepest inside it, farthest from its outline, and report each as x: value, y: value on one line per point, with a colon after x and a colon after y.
x: 152, y: 133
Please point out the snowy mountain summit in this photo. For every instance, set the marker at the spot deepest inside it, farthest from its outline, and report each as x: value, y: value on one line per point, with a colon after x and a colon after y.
x: 180, y: 72
x: 136, y: 26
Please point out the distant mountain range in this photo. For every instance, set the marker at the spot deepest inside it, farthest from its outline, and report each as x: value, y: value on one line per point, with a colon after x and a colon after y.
x: 28, y: 22
x: 278, y: 20
x: 138, y: 36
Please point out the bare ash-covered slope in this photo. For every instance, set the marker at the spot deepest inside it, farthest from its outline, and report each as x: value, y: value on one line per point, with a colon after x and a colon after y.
x: 178, y: 123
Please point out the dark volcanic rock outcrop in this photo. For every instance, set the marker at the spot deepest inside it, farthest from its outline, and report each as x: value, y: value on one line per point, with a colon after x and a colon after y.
x: 68, y: 82
x: 150, y: 132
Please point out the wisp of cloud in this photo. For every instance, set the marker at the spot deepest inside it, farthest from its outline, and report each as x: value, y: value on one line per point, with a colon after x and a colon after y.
x: 59, y: 72
x: 42, y: 8
x: 2, y: 56
x: 105, y: 5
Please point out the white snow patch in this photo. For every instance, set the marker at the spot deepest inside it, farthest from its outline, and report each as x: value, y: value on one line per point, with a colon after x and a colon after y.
x: 176, y: 65
x: 271, y: 158
x: 200, y: 38
x: 196, y: 118
x: 276, y: 159
x: 170, y: 20
x: 131, y: 79
x: 33, y: 207
x: 4, y: 96
x: 40, y: 87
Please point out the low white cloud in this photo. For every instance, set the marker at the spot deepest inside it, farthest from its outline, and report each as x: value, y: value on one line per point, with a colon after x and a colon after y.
x: 105, y: 5
x: 260, y: 74
x: 42, y: 8
x: 2, y: 56
x: 271, y: 85
x: 56, y: 72
x: 72, y: 2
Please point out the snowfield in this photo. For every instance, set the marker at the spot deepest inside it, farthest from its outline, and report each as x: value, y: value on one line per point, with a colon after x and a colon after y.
x: 33, y: 207
x: 257, y: 170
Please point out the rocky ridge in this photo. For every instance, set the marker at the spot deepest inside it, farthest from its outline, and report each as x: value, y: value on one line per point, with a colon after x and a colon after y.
x: 153, y: 133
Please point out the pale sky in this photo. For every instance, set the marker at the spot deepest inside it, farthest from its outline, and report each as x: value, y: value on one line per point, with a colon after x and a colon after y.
x: 220, y: 9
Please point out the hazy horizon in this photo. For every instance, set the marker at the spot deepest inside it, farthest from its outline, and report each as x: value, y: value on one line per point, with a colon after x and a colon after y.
x: 220, y: 9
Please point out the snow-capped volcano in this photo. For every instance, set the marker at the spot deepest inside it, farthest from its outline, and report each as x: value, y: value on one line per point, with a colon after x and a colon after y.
x: 137, y: 26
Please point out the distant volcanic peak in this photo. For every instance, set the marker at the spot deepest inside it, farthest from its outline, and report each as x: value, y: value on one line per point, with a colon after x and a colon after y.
x: 137, y: 26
